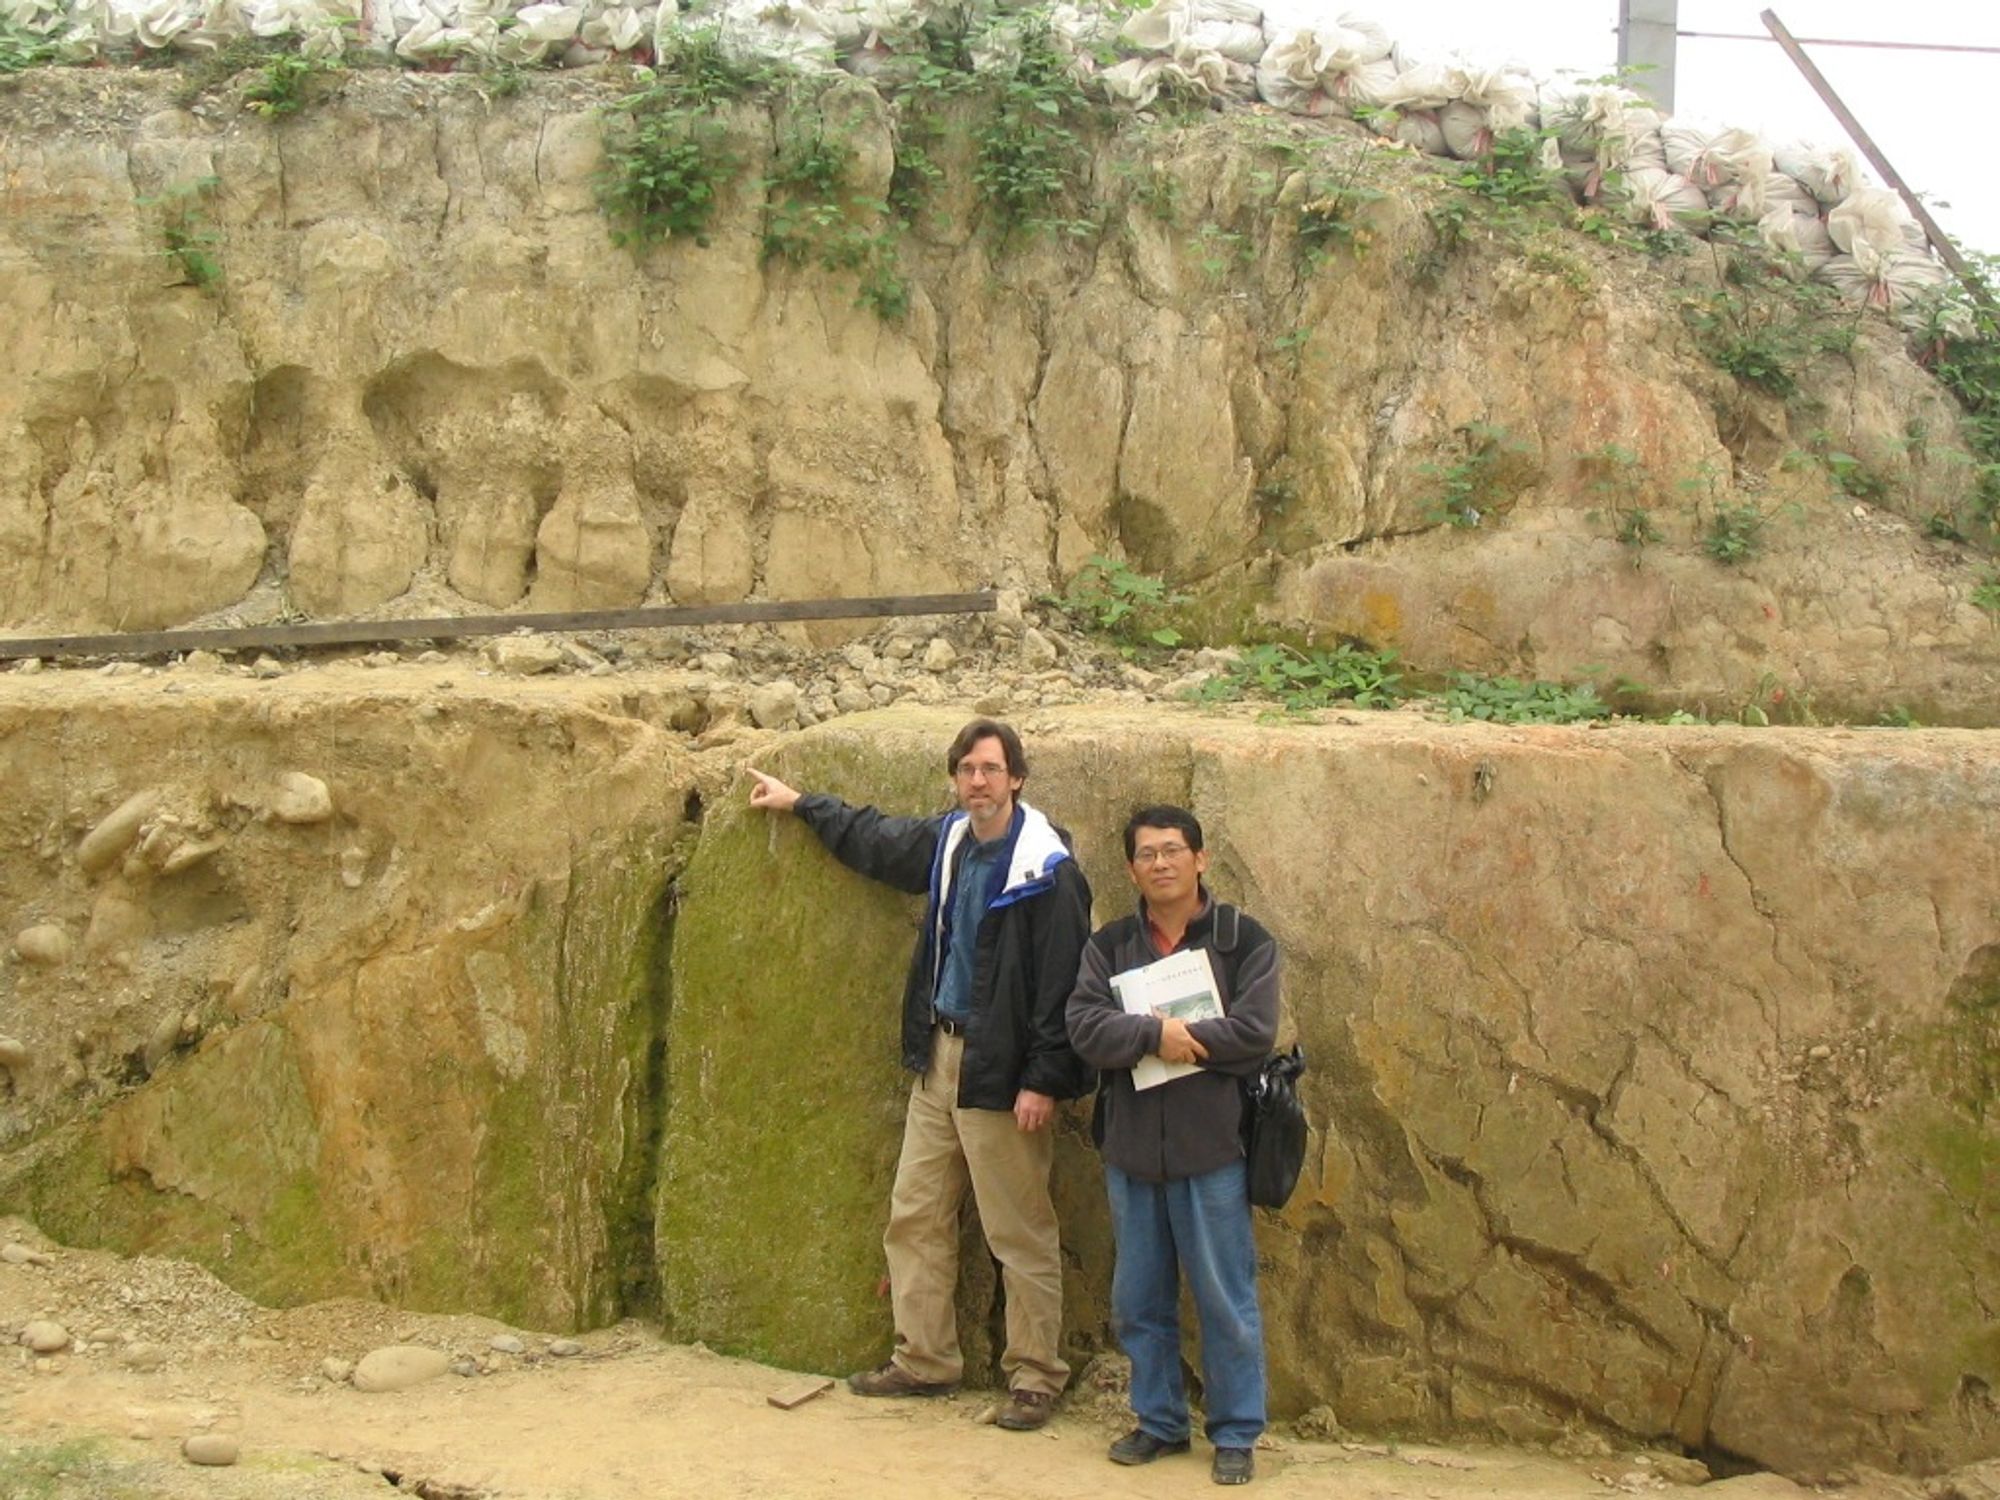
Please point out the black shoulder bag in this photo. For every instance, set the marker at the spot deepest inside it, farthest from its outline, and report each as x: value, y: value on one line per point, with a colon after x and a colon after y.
x: 1274, y: 1128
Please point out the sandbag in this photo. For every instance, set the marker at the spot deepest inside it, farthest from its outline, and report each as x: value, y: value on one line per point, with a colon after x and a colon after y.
x: 1505, y: 95
x: 1467, y: 135
x: 1796, y: 234
x: 1420, y: 128
x: 1662, y: 200
x: 1828, y: 175
x: 1872, y: 216
x: 1901, y: 283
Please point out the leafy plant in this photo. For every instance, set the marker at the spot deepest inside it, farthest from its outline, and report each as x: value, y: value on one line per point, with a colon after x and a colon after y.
x: 1028, y: 153
x: 667, y: 157
x: 187, y: 237
x: 1302, y: 680
x: 1760, y: 325
x: 1735, y: 532
x: 1508, y: 700
x: 1466, y: 490
x: 1986, y: 593
x: 812, y: 217
x: 1331, y: 217
x: 1960, y: 340
x: 1109, y: 597
x: 21, y: 48
x: 280, y: 87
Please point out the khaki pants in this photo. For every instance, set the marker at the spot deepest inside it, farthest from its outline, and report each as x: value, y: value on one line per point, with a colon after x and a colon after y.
x: 945, y: 1148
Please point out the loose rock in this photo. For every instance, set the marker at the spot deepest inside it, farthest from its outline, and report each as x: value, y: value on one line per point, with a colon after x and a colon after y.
x: 45, y: 945
x: 20, y: 1255
x: 398, y: 1367
x: 216, y: 1450
x: 775, y: 705
x: 45, y: 1337
x: 105, y: 844
x: 524, y: 655
x: 336, y: 1369
x: 565, y: 1348
x: 1037, y: 650
x: 301, y: 799
x: 13, y: 1054
x: 506, y: 1343
x: 161, y: 1044
x: 145, y: 1358
x: 264, y: 668
x: 939, y: 655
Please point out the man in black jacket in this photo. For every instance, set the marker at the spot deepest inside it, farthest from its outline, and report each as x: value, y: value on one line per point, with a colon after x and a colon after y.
x: 1173, y: 1151
x: 983, y: 1027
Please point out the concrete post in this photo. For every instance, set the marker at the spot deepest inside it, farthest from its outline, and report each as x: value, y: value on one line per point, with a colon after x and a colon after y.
x: 1646, y: 39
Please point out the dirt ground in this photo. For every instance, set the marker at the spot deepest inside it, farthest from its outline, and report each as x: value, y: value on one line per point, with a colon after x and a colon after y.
x: 163, y: 1350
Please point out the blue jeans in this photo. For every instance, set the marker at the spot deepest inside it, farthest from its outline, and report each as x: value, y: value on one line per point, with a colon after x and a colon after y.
x: 1200, y: 1227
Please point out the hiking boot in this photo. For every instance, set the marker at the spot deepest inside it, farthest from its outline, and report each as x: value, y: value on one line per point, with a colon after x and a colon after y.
x: 1026, y: 1411
x: 1233, y: 1466
x: 1140, y: 1447
x: 893, y: 1380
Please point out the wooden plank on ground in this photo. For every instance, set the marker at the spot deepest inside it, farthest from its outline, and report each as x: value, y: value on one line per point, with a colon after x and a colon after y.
x: 801, y: 1393
x: 372, y: 632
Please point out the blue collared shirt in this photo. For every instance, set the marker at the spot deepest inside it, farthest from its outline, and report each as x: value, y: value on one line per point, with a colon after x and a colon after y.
x: 968, y: 905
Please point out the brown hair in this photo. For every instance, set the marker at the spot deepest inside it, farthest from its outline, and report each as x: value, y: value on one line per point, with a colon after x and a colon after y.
x: 988, y: 729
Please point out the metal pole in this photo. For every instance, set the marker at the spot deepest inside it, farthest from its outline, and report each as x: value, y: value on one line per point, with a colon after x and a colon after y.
x: 1947, y: 251
x: 1646, y: 32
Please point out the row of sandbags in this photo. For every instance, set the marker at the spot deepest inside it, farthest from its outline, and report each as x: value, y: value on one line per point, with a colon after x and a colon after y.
x: 1612, y: 145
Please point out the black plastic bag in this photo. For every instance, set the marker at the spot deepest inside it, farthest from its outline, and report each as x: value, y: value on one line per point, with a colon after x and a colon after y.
x: 1274, y: 1128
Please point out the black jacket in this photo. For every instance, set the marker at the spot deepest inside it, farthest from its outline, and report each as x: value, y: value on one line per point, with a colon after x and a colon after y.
x: 1194, y: 1124
x: 1036, y: 918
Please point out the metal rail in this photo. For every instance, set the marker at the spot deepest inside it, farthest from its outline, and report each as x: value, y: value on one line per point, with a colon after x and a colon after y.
x: 370, y: 632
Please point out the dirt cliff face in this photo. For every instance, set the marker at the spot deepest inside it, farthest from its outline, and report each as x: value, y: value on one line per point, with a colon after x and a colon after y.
x: 1636, y: 1059
x: 347, y: 992
x: 416, y: 375
x: 1652, y: 1069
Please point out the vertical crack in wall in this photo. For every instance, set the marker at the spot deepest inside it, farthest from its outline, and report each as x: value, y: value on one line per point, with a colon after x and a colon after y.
x: 635, y: 1256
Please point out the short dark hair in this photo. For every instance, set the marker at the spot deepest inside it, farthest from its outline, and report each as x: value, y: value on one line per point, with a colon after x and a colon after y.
x: 988, y: 729
x: 1161, y: 815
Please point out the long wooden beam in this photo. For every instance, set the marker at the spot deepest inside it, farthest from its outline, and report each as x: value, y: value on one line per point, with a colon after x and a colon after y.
x: 370, y: 632
x: 1940, y: 241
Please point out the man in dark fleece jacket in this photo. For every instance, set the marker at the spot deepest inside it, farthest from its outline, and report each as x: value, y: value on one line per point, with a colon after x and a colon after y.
x: 983, y: 1027
x: 1173, y: 1153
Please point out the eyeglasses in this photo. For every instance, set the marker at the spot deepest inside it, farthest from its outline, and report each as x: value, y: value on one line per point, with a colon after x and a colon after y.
x: 987, y: 772
x: 1158, y: 852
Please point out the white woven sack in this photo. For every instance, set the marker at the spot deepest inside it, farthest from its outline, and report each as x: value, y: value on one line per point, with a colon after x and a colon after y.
x: 1288, y: 75
x: 618, y: 28
x: 1745, y: 201
x: 1803, y: 235
x: 1467, y: 135
x: 1420, y: 128
x: 1782, y: 190
x: 1236, y: 39
x: 1156, y: 28
x: 1506, y: 94
x: 1872, y: 216
x: 1685, y: 143
x: 1423, y: 85
x: 1828, y: 175
x: 1663, y: 200
x: 1363, y: 87
x: 1900, y: 283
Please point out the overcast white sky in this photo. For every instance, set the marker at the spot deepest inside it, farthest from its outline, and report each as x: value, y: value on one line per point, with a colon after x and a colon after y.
x: 1922, y: 108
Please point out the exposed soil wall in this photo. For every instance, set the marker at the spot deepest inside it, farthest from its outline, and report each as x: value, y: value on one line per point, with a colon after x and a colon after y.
x: 424, y: 379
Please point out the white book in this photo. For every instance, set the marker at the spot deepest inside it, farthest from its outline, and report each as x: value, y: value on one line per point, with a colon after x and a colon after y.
x: 1181, y: 985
